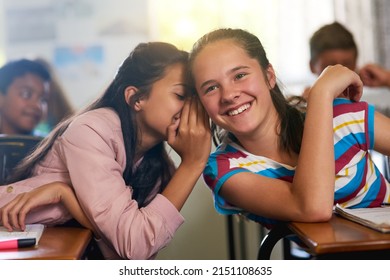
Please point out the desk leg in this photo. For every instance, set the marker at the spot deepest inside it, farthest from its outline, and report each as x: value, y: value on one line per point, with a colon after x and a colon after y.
x: 269, y: 241
x: 230, y: 233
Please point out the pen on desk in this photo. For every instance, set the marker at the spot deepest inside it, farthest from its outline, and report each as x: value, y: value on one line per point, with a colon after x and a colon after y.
x: 385, y: 204
x: 17, y: 243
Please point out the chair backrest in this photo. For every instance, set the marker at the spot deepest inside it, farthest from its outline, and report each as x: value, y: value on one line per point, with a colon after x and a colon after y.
x: 386, y: 167
x: 13, y: 148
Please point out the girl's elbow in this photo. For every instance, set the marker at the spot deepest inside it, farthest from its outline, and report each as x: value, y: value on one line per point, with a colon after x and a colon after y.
x: 316, y: 213
x: 320, y: 214
x: 324, y: 216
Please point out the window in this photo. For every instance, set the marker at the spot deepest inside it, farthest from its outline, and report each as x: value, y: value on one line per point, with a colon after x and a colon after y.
x: 283, y: 26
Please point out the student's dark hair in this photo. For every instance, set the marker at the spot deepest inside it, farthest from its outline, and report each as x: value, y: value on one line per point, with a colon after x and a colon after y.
x: 146, y: 64
x: 329, y: 37
x: 18, y: 68
x: 291, y: 119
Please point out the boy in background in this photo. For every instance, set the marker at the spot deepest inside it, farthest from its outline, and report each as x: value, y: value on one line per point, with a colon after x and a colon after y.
x: 331, y: 44
x: 24, y: 90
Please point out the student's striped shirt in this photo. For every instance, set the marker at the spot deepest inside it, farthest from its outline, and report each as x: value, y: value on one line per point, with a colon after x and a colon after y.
x: 358, y: 182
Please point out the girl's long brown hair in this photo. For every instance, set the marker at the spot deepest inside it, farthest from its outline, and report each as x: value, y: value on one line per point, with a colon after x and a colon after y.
x: 146, y: 64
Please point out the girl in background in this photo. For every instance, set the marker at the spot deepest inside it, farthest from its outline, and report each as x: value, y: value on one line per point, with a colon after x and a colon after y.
x: 24, y: 91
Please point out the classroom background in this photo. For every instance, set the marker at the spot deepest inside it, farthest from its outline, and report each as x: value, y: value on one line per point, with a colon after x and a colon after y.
x: 86, y: 40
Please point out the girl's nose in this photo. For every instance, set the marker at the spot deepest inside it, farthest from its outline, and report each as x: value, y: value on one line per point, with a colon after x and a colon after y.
x: 229, y: 94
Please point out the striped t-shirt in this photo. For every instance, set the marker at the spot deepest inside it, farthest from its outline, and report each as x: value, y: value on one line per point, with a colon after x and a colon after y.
x: 358, y: 182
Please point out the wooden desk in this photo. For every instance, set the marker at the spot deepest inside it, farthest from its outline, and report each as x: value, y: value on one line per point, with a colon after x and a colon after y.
x: 56, y: 243
x: 337, y: 239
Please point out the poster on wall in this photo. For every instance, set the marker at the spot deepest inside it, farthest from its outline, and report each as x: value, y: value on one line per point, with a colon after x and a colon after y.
x: 82, y: 67
x: 79, y: 62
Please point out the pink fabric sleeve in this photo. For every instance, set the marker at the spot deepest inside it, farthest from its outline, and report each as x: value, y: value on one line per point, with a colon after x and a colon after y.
x: 94, y: 153
x: 53, y: 214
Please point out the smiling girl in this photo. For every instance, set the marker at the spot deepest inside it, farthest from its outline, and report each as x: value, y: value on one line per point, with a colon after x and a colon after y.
x: 275, y: 162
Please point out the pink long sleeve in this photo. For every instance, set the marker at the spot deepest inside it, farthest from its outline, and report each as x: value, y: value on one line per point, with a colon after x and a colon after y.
x: 93, y: 151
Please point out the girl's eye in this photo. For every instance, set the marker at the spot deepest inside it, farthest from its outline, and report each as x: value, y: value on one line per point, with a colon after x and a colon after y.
x: 211, y: 88
x: 181, y: 96
x: 240, y: 75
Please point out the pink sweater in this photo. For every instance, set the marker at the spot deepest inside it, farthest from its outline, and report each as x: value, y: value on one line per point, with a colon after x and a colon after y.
x: 91, y: 157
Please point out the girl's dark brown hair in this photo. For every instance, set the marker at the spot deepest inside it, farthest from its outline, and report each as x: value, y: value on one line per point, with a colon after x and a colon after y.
x: 146, y: 64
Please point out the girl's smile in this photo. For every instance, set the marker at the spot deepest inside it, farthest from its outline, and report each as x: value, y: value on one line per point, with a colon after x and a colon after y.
x: 239, y: 110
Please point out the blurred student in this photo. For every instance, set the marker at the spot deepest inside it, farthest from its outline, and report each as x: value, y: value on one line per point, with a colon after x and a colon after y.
x: 24, y: 91
x: 330, y: 45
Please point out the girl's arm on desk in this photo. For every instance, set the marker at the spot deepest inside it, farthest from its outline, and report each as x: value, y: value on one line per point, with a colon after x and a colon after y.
x: 13, y: 214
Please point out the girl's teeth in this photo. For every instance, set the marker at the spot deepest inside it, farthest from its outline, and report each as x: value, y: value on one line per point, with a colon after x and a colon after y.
x: 239, y: 110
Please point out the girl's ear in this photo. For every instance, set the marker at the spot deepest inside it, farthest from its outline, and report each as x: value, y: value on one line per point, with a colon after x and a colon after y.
x: 271, y: 76
x: 130, y: 91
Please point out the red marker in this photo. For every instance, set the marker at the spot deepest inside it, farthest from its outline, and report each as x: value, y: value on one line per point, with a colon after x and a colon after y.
x: 17, y: 243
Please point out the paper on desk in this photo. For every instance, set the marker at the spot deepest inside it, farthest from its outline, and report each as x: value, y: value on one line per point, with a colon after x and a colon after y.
x: 377, y: 218
x: 32, y: 231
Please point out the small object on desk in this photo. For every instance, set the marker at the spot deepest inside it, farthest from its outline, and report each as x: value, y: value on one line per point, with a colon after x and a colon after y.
x: 31, y: 231
x: 17, y: 243
x: 377, y: 218
x: 56, y: 243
